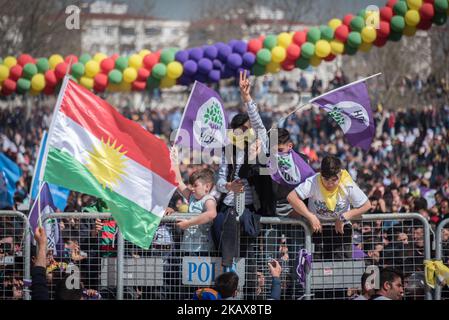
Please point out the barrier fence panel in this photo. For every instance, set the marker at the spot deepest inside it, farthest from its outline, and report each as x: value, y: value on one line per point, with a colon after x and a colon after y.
x: 14, y: 256
x: 399, y: 241
x: 442, y: 253
x: 85, y: 240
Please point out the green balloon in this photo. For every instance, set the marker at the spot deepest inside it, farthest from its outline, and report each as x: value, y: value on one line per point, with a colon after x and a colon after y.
x: 270, y: 42
x: 327, y: 33
x: 313, y: 35
x: 115, y: 76
x: 350, y: 50
x: 159, y: 71
x: 263, y: 56
x: 362, y: 13
x: 354, y: 39
x: 258, y: 69
x: 400, y: 8
x: 397, y: 24
x: 23, y: 85
x: 29, y: 70
x: 73, y: 78
x: 440, y: 18
x: 441, y: 6
x: 302, y: 63
x: 357, y: 24
x: 77, y: 70
x: 121, y: 63
x: 167, y: 56
x: 153, y: 83
x: 42, y: 65
x: 395, y: 36
x: 84, y: 58
x: 307, y: 50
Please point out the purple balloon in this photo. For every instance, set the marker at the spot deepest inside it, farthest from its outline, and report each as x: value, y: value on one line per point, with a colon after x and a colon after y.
x: 232, y: 42
x: 190, y: 67
x: 217, y: 64
x: 184, y: 80
x: 227, y: 73
x: 210, y: 52
x: 240, y: 47
x: 218, y: 45
x: 182, y: 56
x: 196, y: 54
x: 205, y: 66
x: 243, y: 70
x: 223, y: 52
x: 201, y: 77
x: 214, y: 75
x: 234, y: 61
x: 249, y: 59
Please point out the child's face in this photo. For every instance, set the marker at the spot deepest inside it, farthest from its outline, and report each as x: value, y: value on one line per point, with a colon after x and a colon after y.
x: 200, y: 189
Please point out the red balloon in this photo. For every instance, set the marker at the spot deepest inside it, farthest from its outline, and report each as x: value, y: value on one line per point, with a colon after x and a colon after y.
x: 142, y: 74
x: 424, y: 24
x: 347, y: 19
x: 262, y: 38
x: 158, y: 55
x: 254, y: 45
x: 342, y: 32
x: 288, y: 65
x: 107, y: 65
x: 386, y: 13
x: 139, y: 85
x: 430, y: 1
x: 330, y: 57
x: 384, y: 30
x: 380, y: 42
x: 50, y: 78
x: 391, y: 3
x: 71, y: 57
x: 427, y: 11
x: 61, y: 70
x: 23, y: 59
x: 15, y: 72
x: 101, y: 80
x: 115, y: 56
x: 293, y: 52
x: 49, y: 90
x: 150, y: 60
x: 9, y: 85
x: 300, y: 37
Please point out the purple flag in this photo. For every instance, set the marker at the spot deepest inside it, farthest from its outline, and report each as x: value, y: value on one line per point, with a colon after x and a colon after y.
x: 291, y: 169
x: 203, y: 124
x: 51, y: 225
x: 350, y: 107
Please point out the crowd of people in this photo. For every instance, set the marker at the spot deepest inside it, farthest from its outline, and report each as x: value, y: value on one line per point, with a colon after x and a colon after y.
x: 406, y: 170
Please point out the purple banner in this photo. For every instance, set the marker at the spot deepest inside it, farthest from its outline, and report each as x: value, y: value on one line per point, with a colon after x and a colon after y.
x: 291, y: 169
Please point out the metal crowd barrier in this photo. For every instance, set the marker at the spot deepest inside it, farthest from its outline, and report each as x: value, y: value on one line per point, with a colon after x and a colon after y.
x: 14, y: 256
x: 442, y: 253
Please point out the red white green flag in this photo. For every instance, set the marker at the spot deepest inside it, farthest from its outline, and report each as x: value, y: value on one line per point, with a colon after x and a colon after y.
x: 95, y: 150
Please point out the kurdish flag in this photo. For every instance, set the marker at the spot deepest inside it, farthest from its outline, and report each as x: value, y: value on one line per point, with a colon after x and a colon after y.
x: 93, y: 149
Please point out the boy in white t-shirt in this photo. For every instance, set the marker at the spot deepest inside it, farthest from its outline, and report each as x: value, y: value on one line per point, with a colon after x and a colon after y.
x: 331, y: 193
x: 196, y: 230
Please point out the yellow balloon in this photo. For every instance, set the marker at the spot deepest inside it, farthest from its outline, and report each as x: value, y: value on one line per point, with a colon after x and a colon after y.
x: 10, y: 62
x: 100, y: 57
x: 92, y: 68
x: 87, y: 83
x: 369, y: 34
x: 315, y: 61
x: 54, y: 60
x: 166, y: 82
x: 284, y: 39
x: 113, y: 87
x: 322, y: 48
x: 174, y: 70
x: 135, y: 61
x: 34, y: 92
x: 4, y: 72
x: 414, y: 4
x: 365, y: 47
x: 125, y: 87
x: 412, y: 18
x: 273, y: 67
x: 337, y: 47
x: 278, y: 54
x: 129, y: 75
x: 409, y: 31
x: 334, y: 23
x: 38, y: 82
x: 144, y: 52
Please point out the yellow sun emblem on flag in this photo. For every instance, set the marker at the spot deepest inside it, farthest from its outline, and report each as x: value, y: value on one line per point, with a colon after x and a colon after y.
x: 107, y: 163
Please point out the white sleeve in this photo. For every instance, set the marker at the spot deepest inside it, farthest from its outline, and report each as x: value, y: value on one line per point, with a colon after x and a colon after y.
x: 304, y: 190
x: 357, y: 197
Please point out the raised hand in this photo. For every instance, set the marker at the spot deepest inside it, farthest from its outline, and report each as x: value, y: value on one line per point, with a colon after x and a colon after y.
x: 245, y: 87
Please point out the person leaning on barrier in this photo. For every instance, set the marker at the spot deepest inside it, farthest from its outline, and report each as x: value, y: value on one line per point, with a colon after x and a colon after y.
x: 391, y: 287
x: 331, y: 194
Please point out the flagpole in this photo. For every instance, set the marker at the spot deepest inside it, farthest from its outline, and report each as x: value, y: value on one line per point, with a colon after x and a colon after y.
x: 35, y: 168
x: 184, y: 113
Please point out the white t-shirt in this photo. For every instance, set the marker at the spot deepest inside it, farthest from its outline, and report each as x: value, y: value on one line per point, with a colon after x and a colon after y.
x: 351, y: 196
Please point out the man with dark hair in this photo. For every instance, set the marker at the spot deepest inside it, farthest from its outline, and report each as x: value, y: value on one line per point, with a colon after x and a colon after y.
x: 367, y: 291
x: 226, y: 284
x: 391, y: 287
